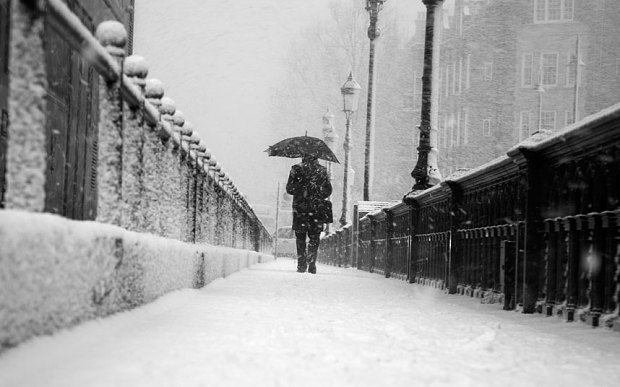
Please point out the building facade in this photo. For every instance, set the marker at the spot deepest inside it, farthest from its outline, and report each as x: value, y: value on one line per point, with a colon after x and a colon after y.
x: 510, y: 68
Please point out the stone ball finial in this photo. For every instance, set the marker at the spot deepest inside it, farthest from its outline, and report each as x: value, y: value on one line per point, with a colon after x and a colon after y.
x: 194, y: 138
x: 207, y: 151
x: 112, y: 35
x: 212, y: 162
x: 136, y: 66
x: 178, y: 118
x: 189, y: 125
x: 202, y: 147
x: 154, y: 91
x: 168, y: 106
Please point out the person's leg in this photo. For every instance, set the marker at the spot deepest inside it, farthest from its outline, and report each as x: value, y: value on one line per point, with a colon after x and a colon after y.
x: 300, y: 237
x: 313, y: 248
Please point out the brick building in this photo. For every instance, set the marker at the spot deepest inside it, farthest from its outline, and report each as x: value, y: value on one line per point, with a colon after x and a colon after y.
x: 509, y: 68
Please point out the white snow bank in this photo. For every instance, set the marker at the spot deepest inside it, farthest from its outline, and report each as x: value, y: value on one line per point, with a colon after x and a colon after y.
x: 55, y: 273
x: 271, y: 326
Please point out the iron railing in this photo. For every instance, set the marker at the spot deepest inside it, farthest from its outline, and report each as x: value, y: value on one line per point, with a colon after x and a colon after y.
x: 537, y: 229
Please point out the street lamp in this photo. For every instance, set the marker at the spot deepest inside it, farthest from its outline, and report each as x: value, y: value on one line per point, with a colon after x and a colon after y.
x: 330, y: 136
x: 426, y: 171
x: 373, y: 7
x: 350, y: 98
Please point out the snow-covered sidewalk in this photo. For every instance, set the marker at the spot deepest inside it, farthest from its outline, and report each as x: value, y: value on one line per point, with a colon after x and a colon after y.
x: 271, y: 326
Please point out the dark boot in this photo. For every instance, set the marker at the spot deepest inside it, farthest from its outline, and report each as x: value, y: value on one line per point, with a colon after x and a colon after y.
x: 312, y: 268
x: 313, y: 248
x: 301, y: 265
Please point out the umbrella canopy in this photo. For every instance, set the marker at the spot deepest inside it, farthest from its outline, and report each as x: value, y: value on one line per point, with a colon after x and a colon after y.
x: 302, y: 146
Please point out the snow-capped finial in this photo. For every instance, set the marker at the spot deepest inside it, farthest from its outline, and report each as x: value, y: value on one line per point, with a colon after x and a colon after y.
x: 199, y: 146
x: 168, y: 106
x: 154, y: 91
x: 178, y: 118
x: 194, y: 138
x: 212, y: 162
x: 188, y: 130
x: 207, y: 152
x: 136, y: 68
x: 113, y: 36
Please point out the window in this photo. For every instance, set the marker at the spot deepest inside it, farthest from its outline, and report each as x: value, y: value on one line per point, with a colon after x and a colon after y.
x: 467, y: 69
x: 527, y: 69
x: 488, y: 71
x: 454, y: 91
x: 553, y: 11
x: 547, y: 120
x: 460, y: 75
x: 447, y: 80
x: 571, y: 69
x: 445, y: 132
x: 452, y: 130
x: 569, y: 9
x: 458, y: 128
x: 549, y: 69
x: 569, y: 117
x: 465, y: 127
x: 524, y: 125
x: 486, y: 128
x: 539, y: 10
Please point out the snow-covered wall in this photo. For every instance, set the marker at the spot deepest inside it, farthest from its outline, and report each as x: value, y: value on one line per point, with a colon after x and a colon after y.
x: 56, y: 273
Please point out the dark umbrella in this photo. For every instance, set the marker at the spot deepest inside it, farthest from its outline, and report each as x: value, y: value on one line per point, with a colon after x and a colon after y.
x: 302, y: 146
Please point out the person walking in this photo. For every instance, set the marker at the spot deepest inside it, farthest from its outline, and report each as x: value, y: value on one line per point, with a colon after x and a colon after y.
x: 309, y: 184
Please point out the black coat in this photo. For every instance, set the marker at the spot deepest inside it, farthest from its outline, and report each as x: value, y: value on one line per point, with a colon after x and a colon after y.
x: 309, y: 184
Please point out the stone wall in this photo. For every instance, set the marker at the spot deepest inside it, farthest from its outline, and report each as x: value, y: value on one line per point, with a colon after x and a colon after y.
x: 56, y: 273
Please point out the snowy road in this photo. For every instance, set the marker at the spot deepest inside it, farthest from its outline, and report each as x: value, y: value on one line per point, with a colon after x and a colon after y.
x: 270, y: 326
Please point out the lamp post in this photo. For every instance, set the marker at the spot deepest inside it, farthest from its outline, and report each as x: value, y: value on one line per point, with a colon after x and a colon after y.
x: 330, y: 136
x: 373, y: 7
x: 426, y: 172
x: 350, y: 97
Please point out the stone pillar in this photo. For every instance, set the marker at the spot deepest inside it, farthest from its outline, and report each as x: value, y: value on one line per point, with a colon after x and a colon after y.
x: 211, y: 201
x: 195, y: 182
x: 136, y: 69
x: 153, y: 153
x: 426, y: 172
x: 113, y: 38
x: 26, y: 164
x: 202, y: 191
x: 170, y: 179
x: 185, y: 172
x: 188, y: 177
